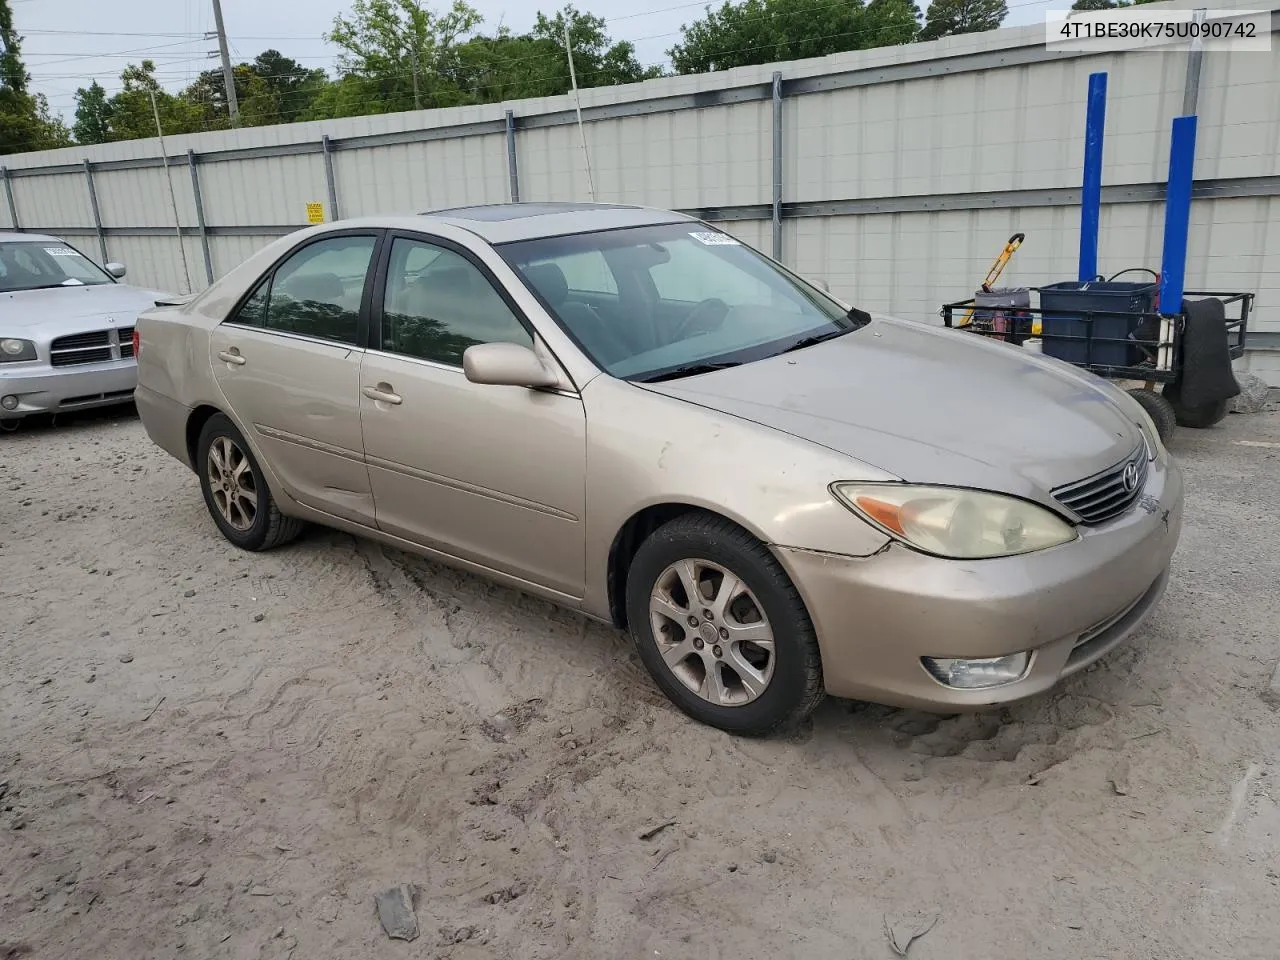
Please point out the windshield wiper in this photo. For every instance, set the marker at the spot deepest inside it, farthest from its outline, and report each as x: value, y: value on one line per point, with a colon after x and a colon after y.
x: 689, y: 370
x: 816, y: 338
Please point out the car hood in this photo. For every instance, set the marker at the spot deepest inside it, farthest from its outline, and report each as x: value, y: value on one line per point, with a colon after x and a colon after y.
x: 931, y: 405
x: 56, y: 311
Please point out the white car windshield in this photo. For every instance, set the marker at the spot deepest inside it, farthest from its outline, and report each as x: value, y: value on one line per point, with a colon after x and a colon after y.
x: 33, y: 265
x: 653, y: 303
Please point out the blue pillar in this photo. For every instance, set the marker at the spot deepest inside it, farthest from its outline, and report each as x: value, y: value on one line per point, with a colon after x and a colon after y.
x: 1091, y: 192
x: 1177, y: 214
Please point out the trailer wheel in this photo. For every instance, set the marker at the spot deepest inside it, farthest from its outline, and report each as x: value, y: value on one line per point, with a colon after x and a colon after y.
x: 1198, y: 417
x: 1159, y: 409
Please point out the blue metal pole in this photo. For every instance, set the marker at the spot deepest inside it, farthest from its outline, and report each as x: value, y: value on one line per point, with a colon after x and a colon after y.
x: 1091, y: 192
x: 1177, y: 214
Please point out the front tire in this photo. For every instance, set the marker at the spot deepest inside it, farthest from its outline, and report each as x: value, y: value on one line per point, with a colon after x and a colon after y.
x: 236, y: 492
x: 721, y: 628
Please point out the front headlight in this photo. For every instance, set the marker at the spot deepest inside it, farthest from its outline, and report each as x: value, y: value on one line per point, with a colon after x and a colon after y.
x: 14, y: 349
x: 954, y: 523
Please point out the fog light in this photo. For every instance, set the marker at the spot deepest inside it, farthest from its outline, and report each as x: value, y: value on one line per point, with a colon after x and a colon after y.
x: 975, y: 674
x: 9, y: 402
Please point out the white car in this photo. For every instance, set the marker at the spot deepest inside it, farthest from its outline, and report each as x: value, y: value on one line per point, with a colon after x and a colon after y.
x: 66, y: 329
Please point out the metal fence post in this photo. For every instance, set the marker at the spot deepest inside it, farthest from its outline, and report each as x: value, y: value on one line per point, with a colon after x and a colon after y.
x: 327, y: 149
x: 204, y: 230
x: 511, y: 157
x: 8, y: 191
x: 777, y: 167
x: 1191, y: 92
x: 93, y: 203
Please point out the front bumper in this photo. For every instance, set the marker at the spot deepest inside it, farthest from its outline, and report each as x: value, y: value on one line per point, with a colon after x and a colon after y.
x: 46, y: 389
x: 877, y: 616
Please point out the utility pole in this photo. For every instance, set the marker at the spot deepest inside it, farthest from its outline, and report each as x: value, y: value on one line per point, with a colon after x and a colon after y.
x: 413, y: 58
x: 577, y: 106
x: 228, y: 77
x: 173, y: 199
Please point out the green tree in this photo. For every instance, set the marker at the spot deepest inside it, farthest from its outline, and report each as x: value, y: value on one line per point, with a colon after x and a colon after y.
x: 397, y: 55
x: 25, y: 121
x: 1107, y: 4
x: 508, y: 66
x: 290, y: 85
x: 272, y: 89
x: 131, y: 116
x: 93, y: 114
x: 767, y: 31
x: 948, y: 18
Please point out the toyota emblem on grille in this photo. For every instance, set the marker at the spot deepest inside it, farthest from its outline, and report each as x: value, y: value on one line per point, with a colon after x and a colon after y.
x: 1131, y: 476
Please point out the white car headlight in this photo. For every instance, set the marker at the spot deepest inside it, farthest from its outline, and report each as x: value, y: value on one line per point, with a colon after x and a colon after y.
x: 955, y: 523
x: 14, y: 349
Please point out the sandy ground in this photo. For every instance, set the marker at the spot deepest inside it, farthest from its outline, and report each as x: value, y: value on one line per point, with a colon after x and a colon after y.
x: 205, y: 753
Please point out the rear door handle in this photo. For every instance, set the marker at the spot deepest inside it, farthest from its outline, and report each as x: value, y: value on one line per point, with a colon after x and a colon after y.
x: 383, y: 394
x: 232, y: 356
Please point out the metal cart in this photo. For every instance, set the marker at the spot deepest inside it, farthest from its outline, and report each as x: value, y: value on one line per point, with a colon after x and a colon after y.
x: 1151, y: 353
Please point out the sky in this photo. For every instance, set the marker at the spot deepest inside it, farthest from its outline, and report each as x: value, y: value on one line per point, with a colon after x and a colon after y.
x: 67, y: 43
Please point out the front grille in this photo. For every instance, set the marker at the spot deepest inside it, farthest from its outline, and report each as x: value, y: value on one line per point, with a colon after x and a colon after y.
x: 96, y: 346
x: 1107, y: 494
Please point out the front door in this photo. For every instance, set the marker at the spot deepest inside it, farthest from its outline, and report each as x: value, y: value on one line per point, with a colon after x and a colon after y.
x: 288, y: 362
x: 490, y: 474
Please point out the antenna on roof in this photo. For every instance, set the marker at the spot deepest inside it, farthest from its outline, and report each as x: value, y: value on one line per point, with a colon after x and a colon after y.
x: 577, y: 104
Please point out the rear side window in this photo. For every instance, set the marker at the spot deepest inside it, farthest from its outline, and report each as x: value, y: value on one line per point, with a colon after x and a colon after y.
x: 316, y: 292
x: 253, y: 312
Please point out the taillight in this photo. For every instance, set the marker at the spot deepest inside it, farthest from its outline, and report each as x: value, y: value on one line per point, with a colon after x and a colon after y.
x: 137, y: 342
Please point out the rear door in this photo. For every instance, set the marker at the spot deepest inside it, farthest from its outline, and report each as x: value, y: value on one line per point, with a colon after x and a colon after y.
x: 490, y: 474
x: 288, y: 362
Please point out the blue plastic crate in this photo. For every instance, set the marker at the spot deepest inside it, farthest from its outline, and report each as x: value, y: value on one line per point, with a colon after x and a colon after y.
x: 1074, y: 299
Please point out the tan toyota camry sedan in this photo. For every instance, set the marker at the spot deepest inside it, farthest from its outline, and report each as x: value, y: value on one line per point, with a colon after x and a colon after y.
x: 629, y: 412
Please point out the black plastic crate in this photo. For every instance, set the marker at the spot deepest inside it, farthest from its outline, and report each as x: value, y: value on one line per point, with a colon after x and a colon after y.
x: 1116, y: 307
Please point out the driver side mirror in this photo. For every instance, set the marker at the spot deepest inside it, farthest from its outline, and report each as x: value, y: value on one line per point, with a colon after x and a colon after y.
x: 115, y: 269
x: 507, y: 365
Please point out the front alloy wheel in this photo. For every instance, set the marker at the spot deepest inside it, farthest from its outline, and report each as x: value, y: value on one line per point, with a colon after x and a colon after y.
x: 712, y: 632
x: 721, y: 628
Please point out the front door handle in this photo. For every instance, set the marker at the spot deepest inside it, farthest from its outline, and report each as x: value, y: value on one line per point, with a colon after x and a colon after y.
x: 232, y: 356
x: 382, y: 393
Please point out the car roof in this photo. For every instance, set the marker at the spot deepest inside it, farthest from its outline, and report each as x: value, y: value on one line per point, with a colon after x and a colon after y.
x: 12, y: 236
x: 509, y: 222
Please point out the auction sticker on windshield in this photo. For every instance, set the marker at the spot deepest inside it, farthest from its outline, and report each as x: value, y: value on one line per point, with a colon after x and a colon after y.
x: 59, y: 251
x: 714, y: 239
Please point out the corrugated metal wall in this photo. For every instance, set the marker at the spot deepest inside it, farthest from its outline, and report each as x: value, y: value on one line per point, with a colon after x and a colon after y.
x: 903, y: 170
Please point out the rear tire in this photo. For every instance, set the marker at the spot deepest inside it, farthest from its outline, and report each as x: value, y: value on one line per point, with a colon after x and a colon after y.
x: 1159, y: 409
x: 742, y: 655
x: 1199, y: 417
x: 236, y: 492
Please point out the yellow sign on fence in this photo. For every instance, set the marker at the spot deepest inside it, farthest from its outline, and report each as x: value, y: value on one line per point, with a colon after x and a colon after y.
x: 315, y: 213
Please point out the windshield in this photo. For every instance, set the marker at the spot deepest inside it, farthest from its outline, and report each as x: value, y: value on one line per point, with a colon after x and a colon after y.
x: 31, y: 265
x: 656, y: 302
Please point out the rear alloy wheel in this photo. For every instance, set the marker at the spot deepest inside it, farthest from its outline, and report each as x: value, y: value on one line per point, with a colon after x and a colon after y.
x: 721, y: 628
x: 236, y: 492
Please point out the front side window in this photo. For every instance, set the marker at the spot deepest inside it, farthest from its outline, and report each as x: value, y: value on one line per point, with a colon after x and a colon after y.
x: 316, y: 292
x: 34, y: 265
x: 437, y: 303
x: 681, y: 297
